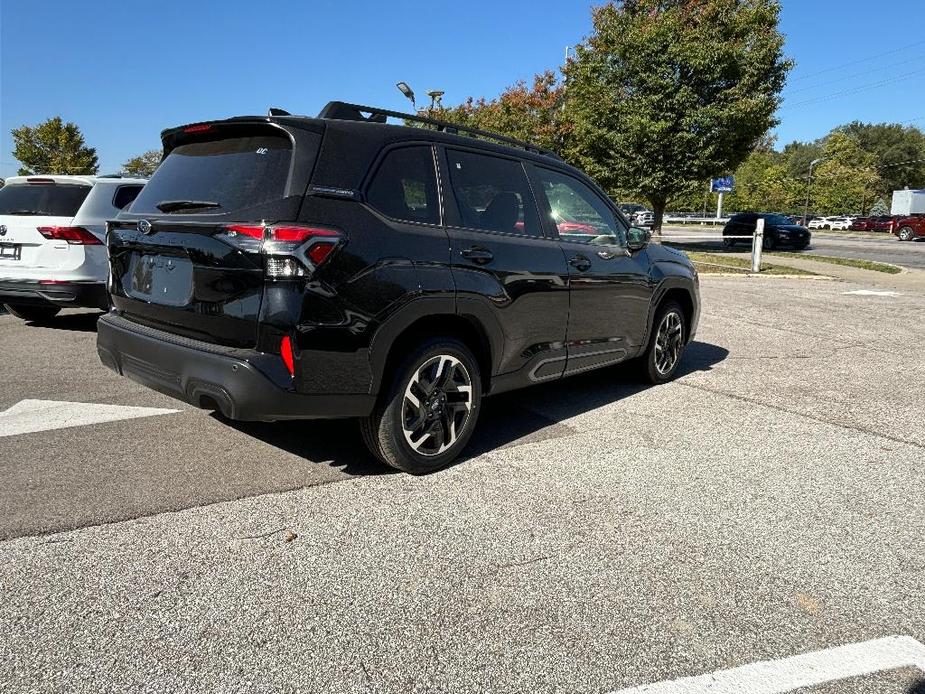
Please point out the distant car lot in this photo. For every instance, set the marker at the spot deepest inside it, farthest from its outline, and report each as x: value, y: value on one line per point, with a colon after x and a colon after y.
x: 884, y: 249
x: 599, y: 535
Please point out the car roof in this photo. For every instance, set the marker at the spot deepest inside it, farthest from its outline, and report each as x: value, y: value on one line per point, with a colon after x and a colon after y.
x: 76, y: 180
x: 359, y: 141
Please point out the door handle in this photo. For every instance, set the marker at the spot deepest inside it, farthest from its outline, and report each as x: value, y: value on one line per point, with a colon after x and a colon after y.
x: 580, y: 263
x: 478, y: 255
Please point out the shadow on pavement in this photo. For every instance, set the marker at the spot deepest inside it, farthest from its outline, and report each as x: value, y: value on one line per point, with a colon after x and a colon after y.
x: 84, y: 322
x: 505, y: 420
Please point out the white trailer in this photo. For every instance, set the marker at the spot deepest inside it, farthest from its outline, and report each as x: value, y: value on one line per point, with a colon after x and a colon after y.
x: 906, y: 202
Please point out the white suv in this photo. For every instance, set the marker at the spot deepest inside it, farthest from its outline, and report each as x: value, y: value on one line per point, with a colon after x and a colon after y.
x: 52, y: 233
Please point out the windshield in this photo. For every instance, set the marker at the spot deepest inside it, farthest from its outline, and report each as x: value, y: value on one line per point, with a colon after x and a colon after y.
x: 42, y: 199
x: 778, y: 219
x: 218, y: 176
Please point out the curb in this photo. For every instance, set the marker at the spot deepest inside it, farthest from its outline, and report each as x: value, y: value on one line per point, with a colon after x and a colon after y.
x: 756, y: 275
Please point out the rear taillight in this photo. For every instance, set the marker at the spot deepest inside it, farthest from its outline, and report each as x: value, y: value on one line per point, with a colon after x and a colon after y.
x: 77, y: 236
x: 291, y: 250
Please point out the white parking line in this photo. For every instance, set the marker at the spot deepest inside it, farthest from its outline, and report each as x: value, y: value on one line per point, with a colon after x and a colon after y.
x: 29, y: 416
x: 872, y: 292
x: 806, y: 670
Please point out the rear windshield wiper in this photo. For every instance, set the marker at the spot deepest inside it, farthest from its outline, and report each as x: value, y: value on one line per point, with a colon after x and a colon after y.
x: 31, y: 213
x: 175, y: 205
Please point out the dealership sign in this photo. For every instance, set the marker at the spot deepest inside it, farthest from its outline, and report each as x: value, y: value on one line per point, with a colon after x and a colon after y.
x: 723, y: 184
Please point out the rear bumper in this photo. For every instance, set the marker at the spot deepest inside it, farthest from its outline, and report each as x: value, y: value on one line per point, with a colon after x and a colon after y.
x: 241, y: 384
x: 63, y: 294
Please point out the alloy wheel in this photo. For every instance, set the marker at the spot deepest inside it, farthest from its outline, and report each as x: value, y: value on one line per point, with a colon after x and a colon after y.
x: 437, y: 405
x: 668, y: 342
x: 905, y: 234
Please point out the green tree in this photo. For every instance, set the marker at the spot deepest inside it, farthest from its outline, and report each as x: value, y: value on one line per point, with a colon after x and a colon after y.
x: 879, y: 208
x: 664, y: 93
x: 525, y: 112
x: 900, y: 153
x: 143, y: 165
x: 846, y: 179
x: 798, y: 156
x: 53, y: 147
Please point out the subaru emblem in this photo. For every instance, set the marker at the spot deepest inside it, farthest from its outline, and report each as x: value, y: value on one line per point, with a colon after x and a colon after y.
x: 144, y: 226
x: 2, y: 229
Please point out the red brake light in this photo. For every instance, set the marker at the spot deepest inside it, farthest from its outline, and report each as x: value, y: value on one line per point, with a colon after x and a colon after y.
x: 285, y: 351
x: 299, y: 234
x: 201, y: 128
x: 254, y: 231
x: 77, y: 236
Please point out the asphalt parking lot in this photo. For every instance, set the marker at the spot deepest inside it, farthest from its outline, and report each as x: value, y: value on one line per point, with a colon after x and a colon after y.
x: 599, y: 535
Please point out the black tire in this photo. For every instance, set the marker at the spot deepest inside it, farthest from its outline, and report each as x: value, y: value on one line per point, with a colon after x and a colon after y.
x: 648, y: 363
x: 768, y: 242
x: 33, y: 314
x: 906, y: 234
x: 729, y: 243
x: 384, y: 431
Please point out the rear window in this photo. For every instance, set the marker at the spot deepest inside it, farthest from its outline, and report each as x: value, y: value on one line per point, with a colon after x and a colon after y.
x: 227, y: 174
x: 42, y: 199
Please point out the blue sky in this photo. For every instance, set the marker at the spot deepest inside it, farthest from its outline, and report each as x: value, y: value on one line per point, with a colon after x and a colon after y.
x: 124, y: 70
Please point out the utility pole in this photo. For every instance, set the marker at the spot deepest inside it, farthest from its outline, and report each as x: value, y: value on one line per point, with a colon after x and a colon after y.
x: 809, y: 182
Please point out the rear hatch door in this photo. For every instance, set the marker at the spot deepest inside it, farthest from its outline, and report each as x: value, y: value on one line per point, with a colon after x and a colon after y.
x: 28, y: 205
x: 175, y: 264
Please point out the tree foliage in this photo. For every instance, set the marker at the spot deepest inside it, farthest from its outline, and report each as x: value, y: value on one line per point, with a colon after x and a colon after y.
x: 143, y: 165
x: 53, y: 147
x: 899, y: 152
x: 667, y: 92
x: 525, y: 112
x: 846, y: 178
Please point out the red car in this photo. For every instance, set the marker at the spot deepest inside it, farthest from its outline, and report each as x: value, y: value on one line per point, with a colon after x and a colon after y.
x: 909, y: 228
x: 884, y: 223
x: 862, y: 224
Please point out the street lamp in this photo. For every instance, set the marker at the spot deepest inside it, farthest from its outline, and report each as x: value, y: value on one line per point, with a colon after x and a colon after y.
x: 408, y: 92
x: 809, y: 182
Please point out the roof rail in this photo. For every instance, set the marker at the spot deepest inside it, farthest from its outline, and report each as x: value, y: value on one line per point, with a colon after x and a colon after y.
x: 340, y: 110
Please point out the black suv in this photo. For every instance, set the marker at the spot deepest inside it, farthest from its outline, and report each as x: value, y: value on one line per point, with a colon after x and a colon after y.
x: 287, y: 267
x: 778, y: 230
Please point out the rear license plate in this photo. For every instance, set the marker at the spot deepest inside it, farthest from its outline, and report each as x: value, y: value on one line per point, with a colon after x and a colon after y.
x: 161, y: 279
x: 10, y: 251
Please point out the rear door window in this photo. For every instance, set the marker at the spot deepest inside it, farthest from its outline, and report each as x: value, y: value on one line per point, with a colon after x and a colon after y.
x: 227, y: 175
x: 405, y: 186
x: 42, y: 199
x: 124, y: 196
x: 492, y: 193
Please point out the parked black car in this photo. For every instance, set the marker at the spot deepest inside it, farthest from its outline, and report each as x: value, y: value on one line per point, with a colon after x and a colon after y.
x: 288, y: 267
x: 778, y: 230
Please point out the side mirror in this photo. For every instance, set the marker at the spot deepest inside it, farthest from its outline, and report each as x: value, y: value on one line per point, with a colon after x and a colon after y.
x: 637, y: 239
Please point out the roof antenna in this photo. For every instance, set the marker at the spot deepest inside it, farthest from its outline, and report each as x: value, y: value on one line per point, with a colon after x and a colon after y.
x: 277, y: 112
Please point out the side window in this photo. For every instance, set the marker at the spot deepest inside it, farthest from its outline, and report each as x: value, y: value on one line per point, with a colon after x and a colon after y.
x: 492, y: 193
x: 124, y: 196
x: 578, y: 212
x: 405, y: 186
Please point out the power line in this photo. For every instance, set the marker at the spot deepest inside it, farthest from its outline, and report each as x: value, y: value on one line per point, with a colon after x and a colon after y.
x: 861, y: 60
x: 914, y: 59
x: 854, y: 90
